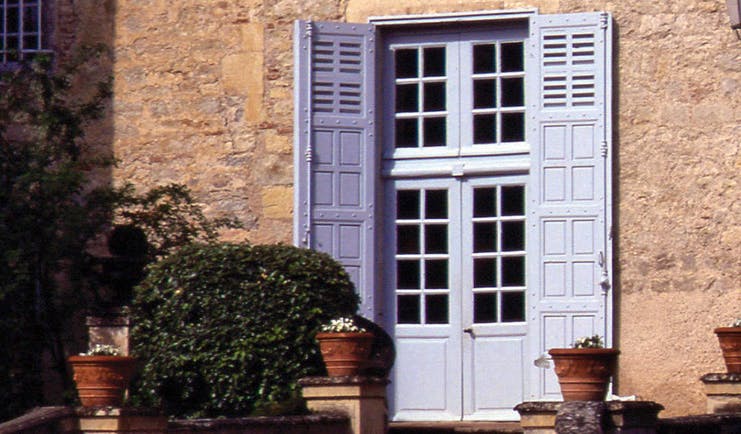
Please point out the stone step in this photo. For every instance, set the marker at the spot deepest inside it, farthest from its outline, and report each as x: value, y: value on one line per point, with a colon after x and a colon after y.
x: 454, y: 428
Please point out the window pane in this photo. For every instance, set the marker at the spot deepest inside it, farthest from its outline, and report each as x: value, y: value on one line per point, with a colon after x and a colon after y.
x: 484, y: 273
x: 513, y: 271
x: 484, y: 93
x: 30, y: 19
x: 434, y: 97
x: 513, y: 236
x: 30, y: 42
x: 434, y: 132
x: 484, y: 129
x: 436, y: 309
x: 436, y: 239
x: 484, y: 237
x: 407, y: 204
x: 407, y: 309
x: 513, y: 127
x: 513, y: 306
x: 406, y: 63
x: 434, y: 62
x: 485, y: 308
x: 407, y: 274
x: 436, y: 274
x: 407, y: 239
x: 436, y: 204
x: 12, y: 19
x: 483, y: 59
x: 407, y: 135
x: 512, y: 57
x: 407, y: 98
x: 513, y: 94
x: 485, y: 202
x: 513, y: 200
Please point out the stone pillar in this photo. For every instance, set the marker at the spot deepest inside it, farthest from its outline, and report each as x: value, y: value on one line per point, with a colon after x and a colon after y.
x: 111, y: 420
x: 618, y: 417
x: 362, y: 398
x: 723, y: 392
x: 109, y: 329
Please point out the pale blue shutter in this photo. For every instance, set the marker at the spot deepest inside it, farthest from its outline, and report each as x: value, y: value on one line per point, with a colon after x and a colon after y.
x: 570, y: 253
x: 335, y: 159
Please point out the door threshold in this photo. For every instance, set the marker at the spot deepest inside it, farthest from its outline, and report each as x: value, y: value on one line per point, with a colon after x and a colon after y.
x: 454, y: 427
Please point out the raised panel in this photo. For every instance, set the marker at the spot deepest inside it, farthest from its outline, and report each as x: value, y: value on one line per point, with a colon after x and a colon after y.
x: 554, y: 279
x: 323, y: 188
x: 323, y: 238
x: 498, y: 373
x: 583, y: 234
x: 554, y: 184
x: 421, y: 370
x: 554, y: 237
x: 583, y: 325
x: 582, y: 184
x: 554, y: 142
x: 583, y: 142
x: 323, y: 147
x: 583, y: 278
x: 350, y: 189
x: 350, y: 148
x: 350, y: 241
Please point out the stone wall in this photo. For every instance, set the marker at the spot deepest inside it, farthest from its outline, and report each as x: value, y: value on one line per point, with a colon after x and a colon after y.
x: 203, y: 96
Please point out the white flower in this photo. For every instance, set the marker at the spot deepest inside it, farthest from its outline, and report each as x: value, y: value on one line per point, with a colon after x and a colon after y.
x: 589, y: 342
x: 103, y: 350
x: 342, y: 325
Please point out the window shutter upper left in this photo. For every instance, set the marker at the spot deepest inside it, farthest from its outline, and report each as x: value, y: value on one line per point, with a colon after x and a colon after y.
x: 335, y: 158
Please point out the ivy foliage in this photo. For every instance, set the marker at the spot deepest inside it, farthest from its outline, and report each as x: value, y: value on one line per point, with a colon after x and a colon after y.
x: 224, y: 328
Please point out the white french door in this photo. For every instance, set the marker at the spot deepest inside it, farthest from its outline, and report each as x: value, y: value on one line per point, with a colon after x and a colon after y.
x: 455, y: 278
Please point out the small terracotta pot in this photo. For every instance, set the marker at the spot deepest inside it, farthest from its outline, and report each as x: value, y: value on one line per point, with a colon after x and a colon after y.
x: 729, y: 339
x: 584, y: 373
x: 345, y: 353
x: 102, y: 380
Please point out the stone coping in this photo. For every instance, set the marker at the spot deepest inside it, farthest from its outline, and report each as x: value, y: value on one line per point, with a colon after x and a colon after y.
x: 343, y: 380
x: 254, y: 421
x: 112, y: 319
x: 704, y: 423
x: 35, y: 418
x: 721, y: 378
x: 116, y: 411
x: 612, y: 406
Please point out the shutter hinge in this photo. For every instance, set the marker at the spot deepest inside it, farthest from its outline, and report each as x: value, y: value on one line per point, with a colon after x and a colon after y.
x: 603, y: 148
x: 604, y: 281
x: 309, y: 30
x: 603, y: 20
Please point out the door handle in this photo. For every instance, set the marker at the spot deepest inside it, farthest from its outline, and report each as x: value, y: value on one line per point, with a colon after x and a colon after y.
x: 468, y: 330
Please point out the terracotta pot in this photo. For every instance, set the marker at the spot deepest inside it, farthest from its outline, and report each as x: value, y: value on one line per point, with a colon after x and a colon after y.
x: 345, y: 353
x: 730, y: 343
x: 584, y: 373
x: 102, y: 380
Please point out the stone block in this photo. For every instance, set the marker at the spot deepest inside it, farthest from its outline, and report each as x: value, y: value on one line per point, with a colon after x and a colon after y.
x: 723, y: 393
x: 362, y: 398
x: 120, y: 420
x: 277, y: 202
x: 111, y: 329
x: 615, y: 417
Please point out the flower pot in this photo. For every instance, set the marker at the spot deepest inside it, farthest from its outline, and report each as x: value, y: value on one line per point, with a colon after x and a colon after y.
x: 584, y: 373
x: 102, y: 380
x: 345, y: 353
x: 730, y: 344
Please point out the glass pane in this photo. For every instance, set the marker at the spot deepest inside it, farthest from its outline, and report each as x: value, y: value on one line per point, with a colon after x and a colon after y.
x: 513, y: 93
x: 513, y: 127
x: 12, y: 47
x: 12, y: 19
x: 436, y: 309
x: 407, y: 135
x: 513, y: 236
x: 436, y: 239
x: 406, y: 63
x: 513, y: 306
x: 436, y: 204
x: 483, y: 59
x: 434, y: 62
x: 30, y: 42
x: 407, y: 309
x: 436, y: 274
x: 513, y: 200
x: 30, y: 22
x: 485, y: 237
x: 512, y: 57
x: 513, y: 271
x: 485, y: 273
x: 407, y: 204
x: 407, y: 274
x: 434, y: 132
x: 484, y: 129
x: 407, y: 239
x: 485, y: 308
x: 434, y: 97
x: 485, y: 202
x: 484, y: 94
x: 407, y: 98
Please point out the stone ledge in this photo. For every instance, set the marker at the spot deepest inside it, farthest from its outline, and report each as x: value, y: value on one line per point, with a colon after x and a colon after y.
x: 259, y: 421
x: 36, y: 419
x: 343, y: 380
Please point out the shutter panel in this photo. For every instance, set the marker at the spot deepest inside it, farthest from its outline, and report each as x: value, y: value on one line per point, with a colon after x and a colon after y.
x: 570, y: 206
x: 335, y: 162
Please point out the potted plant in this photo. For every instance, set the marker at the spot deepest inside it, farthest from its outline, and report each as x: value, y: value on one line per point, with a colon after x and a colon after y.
x: 730, y: 344
x: 584, y: 370
x: 345, y: 347
x: 102, y: 375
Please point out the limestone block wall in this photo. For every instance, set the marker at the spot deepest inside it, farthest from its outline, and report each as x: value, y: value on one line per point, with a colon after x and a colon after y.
x: 203, y: 96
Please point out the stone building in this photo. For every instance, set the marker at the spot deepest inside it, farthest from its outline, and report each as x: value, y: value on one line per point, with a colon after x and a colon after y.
x: 501, y: 177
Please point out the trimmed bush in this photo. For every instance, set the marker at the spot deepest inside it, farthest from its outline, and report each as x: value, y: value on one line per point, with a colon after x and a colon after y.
x: 222, y: 328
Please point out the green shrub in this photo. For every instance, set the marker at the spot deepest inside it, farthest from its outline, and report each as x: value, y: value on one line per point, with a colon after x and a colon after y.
x: 222, y: 327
